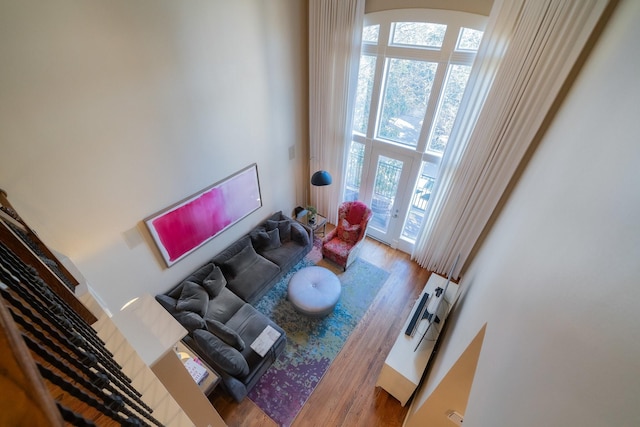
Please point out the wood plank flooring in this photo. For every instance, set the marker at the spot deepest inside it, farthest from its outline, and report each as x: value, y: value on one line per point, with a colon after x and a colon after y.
x: 347, y: 395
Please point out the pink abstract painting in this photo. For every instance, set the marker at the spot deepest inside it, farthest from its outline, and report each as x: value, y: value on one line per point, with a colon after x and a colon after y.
x: 182, y: 228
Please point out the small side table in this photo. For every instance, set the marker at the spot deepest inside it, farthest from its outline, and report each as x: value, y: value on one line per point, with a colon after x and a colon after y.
x: 321, y: 221
x: 211, y: 381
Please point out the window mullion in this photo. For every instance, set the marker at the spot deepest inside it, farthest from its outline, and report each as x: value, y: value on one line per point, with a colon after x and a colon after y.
x: 430, y: 113
x: 376, y: 94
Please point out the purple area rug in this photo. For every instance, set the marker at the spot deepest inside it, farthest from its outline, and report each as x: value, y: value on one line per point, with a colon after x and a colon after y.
x: 312, y: 344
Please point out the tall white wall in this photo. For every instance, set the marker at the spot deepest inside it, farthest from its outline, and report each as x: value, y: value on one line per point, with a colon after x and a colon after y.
x: 112, y: 110
x: 558, y: 278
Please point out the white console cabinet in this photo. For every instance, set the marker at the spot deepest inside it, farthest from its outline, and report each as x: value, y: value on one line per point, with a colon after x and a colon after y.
x: 405, y: 365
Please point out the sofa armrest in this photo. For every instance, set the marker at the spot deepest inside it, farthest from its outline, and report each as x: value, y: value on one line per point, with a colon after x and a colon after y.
x: 301, y: 234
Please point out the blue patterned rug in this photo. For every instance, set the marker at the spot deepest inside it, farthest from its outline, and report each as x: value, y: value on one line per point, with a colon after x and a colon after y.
x: 312, y: 344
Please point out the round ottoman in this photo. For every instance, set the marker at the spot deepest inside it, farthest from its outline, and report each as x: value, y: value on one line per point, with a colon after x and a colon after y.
x: 314, y: 291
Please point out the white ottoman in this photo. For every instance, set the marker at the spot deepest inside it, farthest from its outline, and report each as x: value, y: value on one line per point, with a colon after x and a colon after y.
x: 314, y: 291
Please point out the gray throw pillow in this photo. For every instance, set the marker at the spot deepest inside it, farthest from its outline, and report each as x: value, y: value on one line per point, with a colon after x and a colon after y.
x: 221, y: 354
x: 190, y: 320
x: 214, y: 282
x: 167, y: 302
x: 274, y: 240
x: 283, y: 226
x: 259, y: 238
x: 193, y: 298
x: 225, y: 333
x: 241, y: 261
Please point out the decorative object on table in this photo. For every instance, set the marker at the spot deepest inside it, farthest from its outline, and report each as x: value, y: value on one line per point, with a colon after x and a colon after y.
x: 312, y: 213
x: 190, y: 223
x: 265, y: 340
x: 299, y: 213
x: 312, y: 343
x: 342, y: 244
x: 196, y: 370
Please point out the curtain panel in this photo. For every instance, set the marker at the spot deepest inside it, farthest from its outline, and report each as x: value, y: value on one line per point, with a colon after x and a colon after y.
x: 529, y: 50
x: 335, y: 34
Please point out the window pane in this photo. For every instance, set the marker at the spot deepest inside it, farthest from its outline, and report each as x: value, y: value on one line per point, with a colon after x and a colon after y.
x: 354, y: 171
x: 469, y: 39
x: 419, y: 200
x: 363, y: 94
x: 418, y: 34
x: 449, y: 103
x: 406, y: 94
x: 370, y: 33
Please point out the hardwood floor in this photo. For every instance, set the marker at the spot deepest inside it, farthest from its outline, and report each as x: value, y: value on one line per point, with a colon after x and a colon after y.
x: 347, y: 395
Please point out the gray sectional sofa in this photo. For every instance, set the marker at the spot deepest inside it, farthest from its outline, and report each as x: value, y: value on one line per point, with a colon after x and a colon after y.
x: 214, y: 303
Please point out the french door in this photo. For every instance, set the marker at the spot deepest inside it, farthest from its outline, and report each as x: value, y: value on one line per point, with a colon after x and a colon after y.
x: 384, y: 185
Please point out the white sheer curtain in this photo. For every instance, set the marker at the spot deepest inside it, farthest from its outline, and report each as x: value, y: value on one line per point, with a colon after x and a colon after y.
x: 335, y: 33
x: 529, y: 49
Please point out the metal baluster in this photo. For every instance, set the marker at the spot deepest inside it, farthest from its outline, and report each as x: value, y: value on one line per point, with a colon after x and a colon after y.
x: 87, y: 360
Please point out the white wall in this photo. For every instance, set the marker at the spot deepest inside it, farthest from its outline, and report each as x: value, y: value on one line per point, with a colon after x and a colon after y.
x: 557, y: 279
x: 113, y: 110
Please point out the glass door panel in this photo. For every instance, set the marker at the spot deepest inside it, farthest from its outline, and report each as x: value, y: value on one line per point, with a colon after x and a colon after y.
x: 391, y: 174
x: 355, y: 161
x: 419, y: 201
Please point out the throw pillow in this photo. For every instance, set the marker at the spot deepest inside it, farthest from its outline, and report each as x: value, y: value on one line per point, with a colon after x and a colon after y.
x: 356, y: 212
x: 190, y: 320
x: 200, y: 274
x: 214, y: 282
x: 264, y: 240
x: 240, y: 261
x: 259, y: 237
x: 193, y: 298
x: 225, y: 333
x: 349, y: 233
x: 167, y: 302
x: 274, y: 240
x: 283, y: 226
x: 222, y: 355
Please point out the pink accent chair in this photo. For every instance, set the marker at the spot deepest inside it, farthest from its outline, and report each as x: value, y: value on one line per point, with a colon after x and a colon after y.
x: 342, y: 244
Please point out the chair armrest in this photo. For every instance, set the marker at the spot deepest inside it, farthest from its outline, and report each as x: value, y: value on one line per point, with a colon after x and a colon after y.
x: 330, y: 235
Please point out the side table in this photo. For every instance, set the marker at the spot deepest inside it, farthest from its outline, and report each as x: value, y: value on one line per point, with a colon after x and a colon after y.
x: 211, y: 381
x: 185, y: 391
x: 321, y: 221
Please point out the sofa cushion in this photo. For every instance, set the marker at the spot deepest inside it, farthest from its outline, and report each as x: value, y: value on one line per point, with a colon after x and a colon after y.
x: 193, y: 298
x: 264, y: 240
x: 214, y: 282
x: 284, y: 226
x: 241, y: 261
x: 190, y: 320
x: 225, y: 333
x: 252, y: 280
x: 223, y: 355
x: 283, y: 256
x: 224, y: 306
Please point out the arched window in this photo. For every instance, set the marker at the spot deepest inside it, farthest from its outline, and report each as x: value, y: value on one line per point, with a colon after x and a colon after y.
x: 413, y: 71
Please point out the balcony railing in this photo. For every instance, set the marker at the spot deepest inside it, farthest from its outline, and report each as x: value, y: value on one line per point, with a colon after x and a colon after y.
x: 385, y: 190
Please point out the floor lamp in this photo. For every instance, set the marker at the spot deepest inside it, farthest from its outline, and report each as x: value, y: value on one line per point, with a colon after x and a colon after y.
x: 318, y: 179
